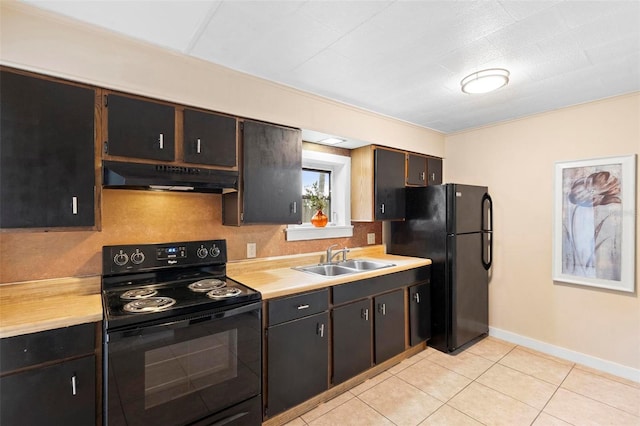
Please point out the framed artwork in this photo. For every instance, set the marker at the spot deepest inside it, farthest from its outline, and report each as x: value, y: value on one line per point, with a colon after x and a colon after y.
x: 594, y: 222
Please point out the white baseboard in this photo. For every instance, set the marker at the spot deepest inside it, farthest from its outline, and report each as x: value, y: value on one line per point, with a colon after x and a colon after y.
x: 573, y: 356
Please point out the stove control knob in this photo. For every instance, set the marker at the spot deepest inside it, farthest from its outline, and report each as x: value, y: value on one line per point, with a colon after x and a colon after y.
x: 215, y: 251
x: 137, y: 257
x: 202, y: 252
x: 121, y: 258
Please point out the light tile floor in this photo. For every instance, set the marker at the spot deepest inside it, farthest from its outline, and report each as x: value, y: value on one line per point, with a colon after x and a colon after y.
x: 492, y: 383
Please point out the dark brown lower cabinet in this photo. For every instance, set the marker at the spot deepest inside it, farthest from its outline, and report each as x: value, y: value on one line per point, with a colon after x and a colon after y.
x: 419, y: 313
x: 61, y: 394
x: 351, y: 340
x: 388, y: 325
x: 297, y: 362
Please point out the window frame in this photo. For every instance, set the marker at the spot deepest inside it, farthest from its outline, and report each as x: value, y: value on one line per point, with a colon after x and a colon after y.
x: 340, y: 168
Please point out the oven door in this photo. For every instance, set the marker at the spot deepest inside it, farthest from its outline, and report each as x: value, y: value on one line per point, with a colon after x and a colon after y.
x: 184, y: 369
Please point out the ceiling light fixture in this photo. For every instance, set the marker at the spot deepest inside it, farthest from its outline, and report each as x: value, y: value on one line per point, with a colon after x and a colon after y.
x: 485, y: 81
x: 331, y: 141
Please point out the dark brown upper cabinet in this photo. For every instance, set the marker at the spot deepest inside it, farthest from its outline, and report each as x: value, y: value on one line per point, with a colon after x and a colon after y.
x: 434, y: 171
x: 389, y: 184
x: 377, y: 184
x: 209, y: 139
x: 416, y: 170
x: 140, y: 128
x: 271, y: 177
x: 47, y: 166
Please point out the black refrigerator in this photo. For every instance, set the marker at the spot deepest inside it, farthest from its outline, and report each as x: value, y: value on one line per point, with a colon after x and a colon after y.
x: 452, y: 225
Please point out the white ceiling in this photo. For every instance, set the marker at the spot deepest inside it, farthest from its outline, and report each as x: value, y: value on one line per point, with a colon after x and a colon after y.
x: 404, y: 59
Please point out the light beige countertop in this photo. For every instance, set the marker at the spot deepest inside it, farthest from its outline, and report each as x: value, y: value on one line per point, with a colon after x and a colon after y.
x: 274, y: 277
x: 32, y: 306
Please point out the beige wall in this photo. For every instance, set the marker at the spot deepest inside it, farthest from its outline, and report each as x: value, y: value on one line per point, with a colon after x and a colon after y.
x: 516, y: 160
x: 40, y: 41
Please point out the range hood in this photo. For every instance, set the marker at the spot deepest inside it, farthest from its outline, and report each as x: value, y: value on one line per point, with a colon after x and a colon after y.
x: 117, y: 174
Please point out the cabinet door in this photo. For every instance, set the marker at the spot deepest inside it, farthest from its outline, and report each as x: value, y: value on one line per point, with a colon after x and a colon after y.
x: 140, y: 129
x: 47, y: 172
x: 351, y: 336
x: 272, y: 173
x: 416, y: 170
x: 62, y: 394
x: 434, y: 171
x: 389, y: 184
x: 209, y: 139
x: 419, y: 313
x: 389, y: 325
x: 297, y: 362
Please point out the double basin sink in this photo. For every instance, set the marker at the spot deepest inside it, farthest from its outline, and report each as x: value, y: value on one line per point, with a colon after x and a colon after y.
x: 346, y: 267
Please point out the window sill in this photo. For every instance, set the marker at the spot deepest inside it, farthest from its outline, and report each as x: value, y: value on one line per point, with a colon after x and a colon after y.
x: 309, y: 232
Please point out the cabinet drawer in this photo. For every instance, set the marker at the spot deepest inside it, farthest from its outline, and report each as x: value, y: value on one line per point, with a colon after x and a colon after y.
x: 298, y: 306
x: 36, y: 348
x: 365, y: 288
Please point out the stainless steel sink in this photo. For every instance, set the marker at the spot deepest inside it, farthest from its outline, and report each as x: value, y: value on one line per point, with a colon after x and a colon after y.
x: 343, y: 268
x: 326, y: 270
x: 365, y: 265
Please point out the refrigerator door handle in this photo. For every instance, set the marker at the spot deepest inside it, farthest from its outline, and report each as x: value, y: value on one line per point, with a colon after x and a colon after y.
x: 486, y: 198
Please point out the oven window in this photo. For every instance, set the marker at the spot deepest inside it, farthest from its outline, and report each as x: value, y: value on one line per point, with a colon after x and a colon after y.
x: 187, y: 367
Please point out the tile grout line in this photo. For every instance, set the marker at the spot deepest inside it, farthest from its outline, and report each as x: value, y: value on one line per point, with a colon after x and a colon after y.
x: 554, y: 394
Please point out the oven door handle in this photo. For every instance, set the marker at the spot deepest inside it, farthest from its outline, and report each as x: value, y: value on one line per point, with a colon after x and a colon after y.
x: 180, y: 322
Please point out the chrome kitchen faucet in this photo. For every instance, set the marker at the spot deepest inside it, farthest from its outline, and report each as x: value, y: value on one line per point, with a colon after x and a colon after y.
x: 331, y: 255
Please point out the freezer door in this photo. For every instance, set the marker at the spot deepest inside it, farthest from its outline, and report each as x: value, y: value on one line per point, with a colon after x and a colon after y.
x: 466, y: 205
x: 469, y: 290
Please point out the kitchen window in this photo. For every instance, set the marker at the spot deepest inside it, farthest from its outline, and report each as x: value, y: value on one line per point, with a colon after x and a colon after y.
x: 334, y: 173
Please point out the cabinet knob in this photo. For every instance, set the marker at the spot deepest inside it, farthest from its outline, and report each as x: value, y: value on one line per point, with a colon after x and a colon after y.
x: 382, y: 208
x: 417, y: 297
x: 198, y: 146
x: 294, y: 207
x: 74, y: 205
x: 301, y: 307
x: 73, y: 385
x: 321, y: 330
x: 161, y: 141
x: 433, y: 177
x: 422, y: 176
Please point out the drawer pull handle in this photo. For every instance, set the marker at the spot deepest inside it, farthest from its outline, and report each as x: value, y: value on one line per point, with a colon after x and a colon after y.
x: 321, y: 330
x: 73, y: 385
x: 365, y: 314
x: 198, y: 147
x: 301, y: 307
x: 382, y: 308
x: 74, y: 205
x: 417, y: 297
x: 161, y: 141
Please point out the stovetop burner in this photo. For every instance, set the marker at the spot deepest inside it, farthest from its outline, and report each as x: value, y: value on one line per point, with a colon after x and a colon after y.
x: 138, y: 293
x: 203, y: 286
x: 144, y: 283
x: 149, y: 304
x: 224, y: 293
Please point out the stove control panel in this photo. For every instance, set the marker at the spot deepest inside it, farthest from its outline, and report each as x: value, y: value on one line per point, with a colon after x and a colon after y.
x: 141, y: 257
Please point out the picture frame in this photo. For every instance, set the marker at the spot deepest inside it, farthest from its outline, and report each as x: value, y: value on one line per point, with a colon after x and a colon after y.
x: 594, y: 222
